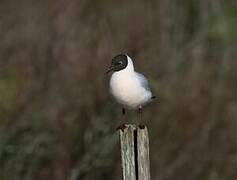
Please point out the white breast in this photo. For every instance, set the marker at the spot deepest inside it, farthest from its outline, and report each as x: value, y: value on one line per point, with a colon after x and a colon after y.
x: 127, y: 89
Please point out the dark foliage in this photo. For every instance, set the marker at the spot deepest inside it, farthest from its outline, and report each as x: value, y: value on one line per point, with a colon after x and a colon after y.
x: 57, y: 119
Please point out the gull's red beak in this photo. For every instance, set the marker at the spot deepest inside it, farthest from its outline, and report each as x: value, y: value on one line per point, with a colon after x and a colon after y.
x: 111, y: 68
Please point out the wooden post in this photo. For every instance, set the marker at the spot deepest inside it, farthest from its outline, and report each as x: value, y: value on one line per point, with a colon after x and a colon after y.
x: 134, y: 144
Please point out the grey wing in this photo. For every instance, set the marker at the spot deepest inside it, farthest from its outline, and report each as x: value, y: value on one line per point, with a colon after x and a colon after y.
x: 143, y: 80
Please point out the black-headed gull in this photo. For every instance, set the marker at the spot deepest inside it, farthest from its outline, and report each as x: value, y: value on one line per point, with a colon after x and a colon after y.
x: 128, y: 87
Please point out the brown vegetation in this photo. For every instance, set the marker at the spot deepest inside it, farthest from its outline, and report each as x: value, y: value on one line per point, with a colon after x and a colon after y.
x: 57, y: 119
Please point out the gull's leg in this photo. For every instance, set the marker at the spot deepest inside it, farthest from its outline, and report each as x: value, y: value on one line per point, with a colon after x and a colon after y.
x: 123, y: 111
x: 124, y: 119
x: 141, y: 125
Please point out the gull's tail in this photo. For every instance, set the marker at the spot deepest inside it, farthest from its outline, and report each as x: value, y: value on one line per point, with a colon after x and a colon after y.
x: 153, y: 97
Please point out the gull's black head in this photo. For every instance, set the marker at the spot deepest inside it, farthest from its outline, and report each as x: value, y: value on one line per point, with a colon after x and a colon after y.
x: 118, y: 63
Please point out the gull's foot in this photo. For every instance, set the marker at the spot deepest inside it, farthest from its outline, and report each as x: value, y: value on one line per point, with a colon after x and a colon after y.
x: 141, y: 126
x: 122, y: 127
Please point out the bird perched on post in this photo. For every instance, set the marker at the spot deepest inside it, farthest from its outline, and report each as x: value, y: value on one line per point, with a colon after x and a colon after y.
x: 128, y: 87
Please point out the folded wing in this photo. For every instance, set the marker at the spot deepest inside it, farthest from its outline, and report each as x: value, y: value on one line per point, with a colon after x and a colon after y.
x: 143, y: 80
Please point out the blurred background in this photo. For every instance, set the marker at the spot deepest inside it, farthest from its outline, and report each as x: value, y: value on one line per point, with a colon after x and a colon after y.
x: 57, y: 119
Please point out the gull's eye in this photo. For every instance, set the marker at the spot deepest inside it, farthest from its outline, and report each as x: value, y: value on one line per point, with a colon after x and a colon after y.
x: 120, y: 63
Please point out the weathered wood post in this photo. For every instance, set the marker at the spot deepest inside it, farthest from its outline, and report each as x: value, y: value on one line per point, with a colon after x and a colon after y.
x: 134, y: 143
